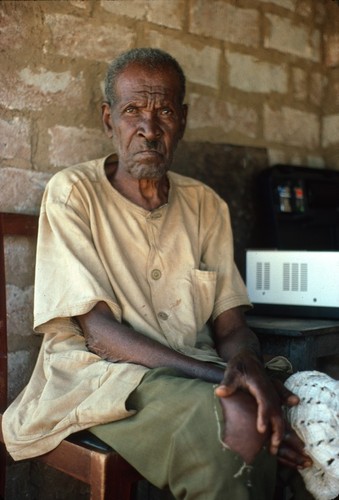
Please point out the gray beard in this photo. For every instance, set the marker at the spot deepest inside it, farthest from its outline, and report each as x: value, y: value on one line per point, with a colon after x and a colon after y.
x: 147, y: 171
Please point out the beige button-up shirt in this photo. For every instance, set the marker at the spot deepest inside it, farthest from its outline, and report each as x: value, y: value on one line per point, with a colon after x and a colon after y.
x: 164, y: 272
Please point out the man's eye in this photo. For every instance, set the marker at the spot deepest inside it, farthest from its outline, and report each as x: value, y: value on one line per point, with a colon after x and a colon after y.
x: 166, y: 111
x: 130, y: 110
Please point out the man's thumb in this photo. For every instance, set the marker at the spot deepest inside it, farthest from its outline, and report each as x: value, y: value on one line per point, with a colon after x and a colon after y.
x: 223, y: 391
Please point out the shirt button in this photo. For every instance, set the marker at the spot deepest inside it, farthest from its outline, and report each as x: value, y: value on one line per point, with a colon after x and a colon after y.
x: 162, y: 315
x: 156, y: 215
x: 156, y: 274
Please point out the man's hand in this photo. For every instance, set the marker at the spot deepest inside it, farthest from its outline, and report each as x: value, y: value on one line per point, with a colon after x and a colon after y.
x: 240, y: 429
x: 291, y: 451
x: 246, y: 372
x: 289, y: 448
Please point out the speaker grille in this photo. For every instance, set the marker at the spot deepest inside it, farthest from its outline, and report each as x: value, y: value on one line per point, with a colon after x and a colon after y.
x: 295, y: 277
x: 263, y: 276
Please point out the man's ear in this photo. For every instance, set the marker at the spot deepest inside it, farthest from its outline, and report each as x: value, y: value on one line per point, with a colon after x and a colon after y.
x: 183, y: 119
x: 106, y: 119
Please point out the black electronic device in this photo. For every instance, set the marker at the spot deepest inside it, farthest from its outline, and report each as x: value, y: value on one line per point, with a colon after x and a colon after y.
x: 300, y: 208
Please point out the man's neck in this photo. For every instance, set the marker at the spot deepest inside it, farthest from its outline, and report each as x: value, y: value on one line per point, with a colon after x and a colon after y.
x: 146, y: 193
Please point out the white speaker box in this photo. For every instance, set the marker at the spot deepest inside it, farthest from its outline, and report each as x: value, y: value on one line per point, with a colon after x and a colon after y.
x: 303, y: 283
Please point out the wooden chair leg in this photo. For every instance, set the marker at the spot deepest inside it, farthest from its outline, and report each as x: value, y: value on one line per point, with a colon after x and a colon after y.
x: 121, y: 480
x: 3, y: 463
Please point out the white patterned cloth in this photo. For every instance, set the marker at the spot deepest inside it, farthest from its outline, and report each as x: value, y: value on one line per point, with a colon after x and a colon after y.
x: 316, y: 421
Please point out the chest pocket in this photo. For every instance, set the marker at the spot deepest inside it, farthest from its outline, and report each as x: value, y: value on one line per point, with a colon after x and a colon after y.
x: 204, y: 286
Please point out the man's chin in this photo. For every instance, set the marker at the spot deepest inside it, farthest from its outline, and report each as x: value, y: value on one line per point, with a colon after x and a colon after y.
x: 148, y: 171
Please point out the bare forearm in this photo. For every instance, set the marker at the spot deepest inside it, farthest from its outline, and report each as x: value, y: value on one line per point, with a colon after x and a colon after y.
x: 243, y: 341
x: 234, y: 337
x: 119, y: 343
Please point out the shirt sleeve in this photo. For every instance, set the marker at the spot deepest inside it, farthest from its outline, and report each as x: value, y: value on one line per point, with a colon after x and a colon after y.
x: 70, y: 278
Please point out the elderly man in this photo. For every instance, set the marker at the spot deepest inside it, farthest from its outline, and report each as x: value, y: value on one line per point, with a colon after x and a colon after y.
x: 141, y: 307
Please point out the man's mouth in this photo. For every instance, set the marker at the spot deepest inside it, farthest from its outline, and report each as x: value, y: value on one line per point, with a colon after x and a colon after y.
x: 149, y: 153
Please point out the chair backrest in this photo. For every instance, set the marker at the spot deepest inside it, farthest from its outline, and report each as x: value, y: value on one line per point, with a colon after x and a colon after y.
x: 10, y: 225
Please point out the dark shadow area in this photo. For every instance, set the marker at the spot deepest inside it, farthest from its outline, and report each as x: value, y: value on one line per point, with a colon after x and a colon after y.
x: 232, y: 172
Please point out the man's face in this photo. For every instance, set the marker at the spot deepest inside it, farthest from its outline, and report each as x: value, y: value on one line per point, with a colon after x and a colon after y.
x: 146, y: 121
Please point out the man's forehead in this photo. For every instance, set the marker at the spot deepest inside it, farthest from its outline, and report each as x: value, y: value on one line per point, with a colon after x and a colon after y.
x: 138, y: 80
x: 140, y: 89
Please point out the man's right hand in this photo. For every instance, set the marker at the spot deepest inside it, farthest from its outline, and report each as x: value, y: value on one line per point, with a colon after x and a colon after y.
x: 240, y: 412
x: 240, y: 425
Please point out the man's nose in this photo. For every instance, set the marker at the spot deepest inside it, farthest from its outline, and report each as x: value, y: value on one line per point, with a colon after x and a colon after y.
x: 149, y: 127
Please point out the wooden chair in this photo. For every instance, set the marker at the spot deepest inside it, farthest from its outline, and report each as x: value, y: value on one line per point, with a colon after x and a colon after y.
x: 82, y: 455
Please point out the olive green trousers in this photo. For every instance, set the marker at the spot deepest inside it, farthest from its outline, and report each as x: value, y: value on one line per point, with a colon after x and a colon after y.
x: 174, y: 441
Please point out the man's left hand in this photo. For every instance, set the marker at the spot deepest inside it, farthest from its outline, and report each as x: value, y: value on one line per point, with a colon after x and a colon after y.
x: 291, y: 451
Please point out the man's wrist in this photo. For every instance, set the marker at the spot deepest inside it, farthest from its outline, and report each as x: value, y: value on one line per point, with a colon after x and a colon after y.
x: 252, y: 351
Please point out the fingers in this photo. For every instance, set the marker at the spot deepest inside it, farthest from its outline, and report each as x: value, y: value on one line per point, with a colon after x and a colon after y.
x: 269, y: 416
x: 292, y: 400
x: 269, y: 410
x: 292, y: 453
x: 240, y: 432
x: 268, y: 396
x: 291, y: 458
x: 228, y: 386
x: 293, y: 441
x: 262, y: 419
x: 224, y: 391
x: 286, y: 396
x: 276, y: 424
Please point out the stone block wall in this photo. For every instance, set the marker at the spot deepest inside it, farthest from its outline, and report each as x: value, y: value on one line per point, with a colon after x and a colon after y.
x: 261, y: 74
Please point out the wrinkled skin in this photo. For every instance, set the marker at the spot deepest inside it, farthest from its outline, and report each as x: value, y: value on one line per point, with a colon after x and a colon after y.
x: 256, y: 400
x: 241, y: 413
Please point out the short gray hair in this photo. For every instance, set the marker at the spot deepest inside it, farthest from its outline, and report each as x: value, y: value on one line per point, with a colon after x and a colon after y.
x: 149, y: 58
